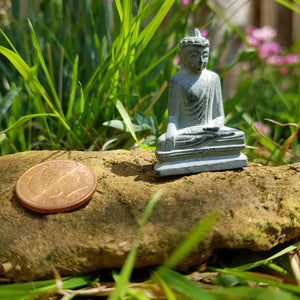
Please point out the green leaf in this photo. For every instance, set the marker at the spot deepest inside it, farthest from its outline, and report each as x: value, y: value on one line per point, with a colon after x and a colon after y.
x: 147, y: 34
x: 265, y: 261
x: 246, y: 292
x: 136, y: 295
x: 119, y: 9
x: 25, y: 119
x: 167, y: 290
x: 290, y: 5
x: 129, y: 124
x: 18, y: 291
x: 256, y: 278
x: 18, y: 63
x: 226, y: 280
x: 6, y: 101
x: 44, y: 67
x: 29, y: 75
x: 192, y: 240
x: 180, y: 284
x: 121, y: 125
x: 231, y: 103
x: 73, y: 89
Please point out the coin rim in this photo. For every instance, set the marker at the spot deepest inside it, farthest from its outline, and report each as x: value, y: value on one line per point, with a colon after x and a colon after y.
x: 61, y: 208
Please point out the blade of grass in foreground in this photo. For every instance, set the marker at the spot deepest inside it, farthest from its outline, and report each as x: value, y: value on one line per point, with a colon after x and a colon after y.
x: 184, y: 286
x: 256, y: 278
x: 258, y: 293
x: 123, y: 279
x: 192, y: 240
x: 267, y: 260
x: 174, y: 279
x: 20, y: 291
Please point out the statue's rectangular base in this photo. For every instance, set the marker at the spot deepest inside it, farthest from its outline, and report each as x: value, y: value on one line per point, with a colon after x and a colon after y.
x: 201, y: 164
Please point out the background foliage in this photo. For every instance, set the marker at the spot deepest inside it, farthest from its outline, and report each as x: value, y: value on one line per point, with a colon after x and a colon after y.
x: 94, y: 75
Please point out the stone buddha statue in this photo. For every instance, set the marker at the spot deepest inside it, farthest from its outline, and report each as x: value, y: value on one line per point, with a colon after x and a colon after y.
x: 196, y: 139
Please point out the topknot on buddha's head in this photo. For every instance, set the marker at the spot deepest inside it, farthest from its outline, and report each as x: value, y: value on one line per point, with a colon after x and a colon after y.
x: 196, y: 39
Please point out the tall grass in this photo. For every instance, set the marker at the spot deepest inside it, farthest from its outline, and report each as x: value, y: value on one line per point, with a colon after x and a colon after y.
x: 86, y: 69
x: 94, y: 75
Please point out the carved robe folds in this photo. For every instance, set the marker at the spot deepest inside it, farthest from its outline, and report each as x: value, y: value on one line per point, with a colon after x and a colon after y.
x: 196, y: 139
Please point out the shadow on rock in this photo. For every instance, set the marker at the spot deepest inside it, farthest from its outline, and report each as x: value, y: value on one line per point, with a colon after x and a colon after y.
x: 143, y: 173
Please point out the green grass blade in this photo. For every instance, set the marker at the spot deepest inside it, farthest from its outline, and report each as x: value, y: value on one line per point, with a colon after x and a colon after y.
x: 9, y: 42
x: 129, y: 124
x: 81, y: 100
x: 136, y: 295
x: 167, y: 290
x: 6, y: 143
x: 182, y: 285
x: 147, y: 34
x: 267, y: 260
x: 246, y: 292
x: 126, y: 25
x: 150, y: 8
x: 154, y: 65
x: 25, y: 119
x: 192, y: 240
x: 29, y: 75
x: 73, y: 89
x: 18, y: 291
x: 290, y: 5
x: 119, y: 9
x: 123, y: 279
x: 6, y: 101
x: 257, y: 278
x: 18, y: 63
x: 45, y: 69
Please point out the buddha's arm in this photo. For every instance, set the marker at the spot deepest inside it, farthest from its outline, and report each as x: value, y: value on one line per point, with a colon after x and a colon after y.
x: 218, y: 117
x: 172, y: 115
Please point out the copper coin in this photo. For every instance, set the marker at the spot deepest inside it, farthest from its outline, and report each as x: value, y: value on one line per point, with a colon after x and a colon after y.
x: 56, y: 186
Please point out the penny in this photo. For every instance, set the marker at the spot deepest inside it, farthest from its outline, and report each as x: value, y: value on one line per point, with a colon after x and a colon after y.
x: 56, y: 186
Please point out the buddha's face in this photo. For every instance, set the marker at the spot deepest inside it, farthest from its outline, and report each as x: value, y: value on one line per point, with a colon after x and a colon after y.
x: 195, y: 58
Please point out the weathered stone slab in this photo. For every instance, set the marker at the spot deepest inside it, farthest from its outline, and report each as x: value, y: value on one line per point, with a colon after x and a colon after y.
x: 259, y: 208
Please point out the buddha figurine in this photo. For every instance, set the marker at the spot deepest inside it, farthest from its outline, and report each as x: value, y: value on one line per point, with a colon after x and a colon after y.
x: 196, y: 139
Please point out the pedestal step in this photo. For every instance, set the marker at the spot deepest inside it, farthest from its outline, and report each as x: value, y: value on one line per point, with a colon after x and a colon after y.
x: 202, y: 164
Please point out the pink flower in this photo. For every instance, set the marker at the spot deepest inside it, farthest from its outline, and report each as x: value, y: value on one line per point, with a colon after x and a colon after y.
x: 284, y: 71
x: 262, y: 127
x: 252, y: 41
x: 176, y: 60
x: 266, y: 49
x: 276, y: 60
x: 250, y: 30
x: 185, y: 2
x: 264, y: 34
x: 291, y: 59
x: 204, y: 32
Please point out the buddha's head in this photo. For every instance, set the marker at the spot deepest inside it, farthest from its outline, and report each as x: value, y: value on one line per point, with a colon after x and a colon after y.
x: 194, y: 52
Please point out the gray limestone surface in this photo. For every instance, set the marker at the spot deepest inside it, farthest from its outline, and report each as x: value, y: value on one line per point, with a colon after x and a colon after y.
x: 258, y: 206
